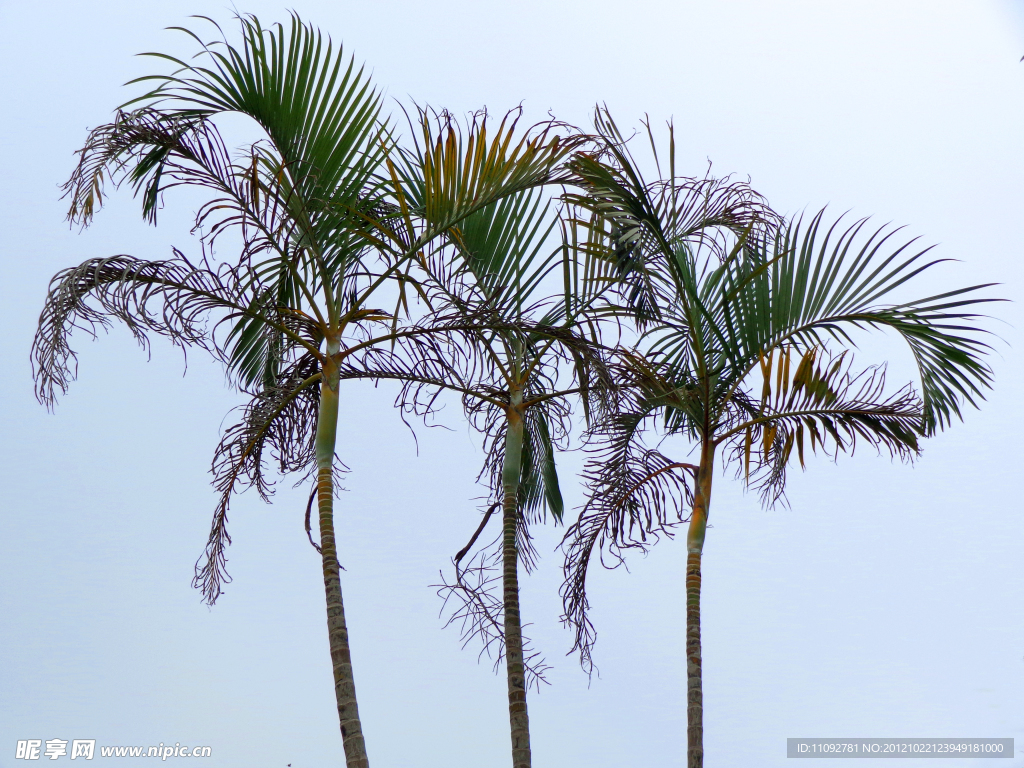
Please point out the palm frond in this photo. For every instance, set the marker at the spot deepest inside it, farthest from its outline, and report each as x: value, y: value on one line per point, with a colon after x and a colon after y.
x: 501, y: 248
x: 814, y: 401
x: 817, y: 285
x: 255, y: 349
x: 478, y: 612
x: 307, y: 196
x: 635, y: 495
x: 318, y: 108
x: 654, y: 231
x: 173, y: 298
x: 156, y: 152
x: 453, y: 171
x: 279, y: 421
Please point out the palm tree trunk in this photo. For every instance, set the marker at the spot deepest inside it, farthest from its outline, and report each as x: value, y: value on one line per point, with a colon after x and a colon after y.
x: 694, y: 548
x: 337, y: 631
x: 519, y: 718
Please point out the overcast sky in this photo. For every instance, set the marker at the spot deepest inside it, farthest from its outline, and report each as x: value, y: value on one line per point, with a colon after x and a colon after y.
x: 885, y: 601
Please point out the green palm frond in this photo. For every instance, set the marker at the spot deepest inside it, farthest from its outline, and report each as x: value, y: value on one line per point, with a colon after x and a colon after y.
x: 591, y: 271
x: 256, y: 350
x: 811, y: 286
x: 661, y: 236
x: 319, y: 110
x: 538, y: 485
x: 502, y: 247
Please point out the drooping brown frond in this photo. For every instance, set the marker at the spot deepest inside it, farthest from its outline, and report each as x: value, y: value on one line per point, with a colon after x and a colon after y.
x: 158, y: 151
x: 280, y: 422
x: 635, y: 495
x: 435, y: 354
x: 477, y: 611
x: 172, y: 298
x: 135, y: 147
x: 450, y: 352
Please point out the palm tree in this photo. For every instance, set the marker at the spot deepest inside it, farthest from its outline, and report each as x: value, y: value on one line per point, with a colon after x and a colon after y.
x: 324, y: 228
x: 517, y: 302
x: 744, y: 351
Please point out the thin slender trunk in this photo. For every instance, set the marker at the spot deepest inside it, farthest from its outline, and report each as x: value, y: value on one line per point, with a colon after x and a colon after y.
x: 337, y: 631
x: 694, y: 548
x: 519, y: 718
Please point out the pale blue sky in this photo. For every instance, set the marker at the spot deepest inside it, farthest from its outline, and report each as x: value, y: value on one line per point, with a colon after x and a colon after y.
x: 886, y: 601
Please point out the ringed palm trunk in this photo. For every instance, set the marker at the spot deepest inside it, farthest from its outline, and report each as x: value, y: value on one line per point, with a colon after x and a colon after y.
x: 519, y: 718
x: 694, y: 549
x: 337, y: 630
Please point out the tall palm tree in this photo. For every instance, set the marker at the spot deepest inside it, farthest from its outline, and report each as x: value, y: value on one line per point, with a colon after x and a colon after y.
x: 324, y: 228
x: 744, y: 351
x: 517, y: 301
